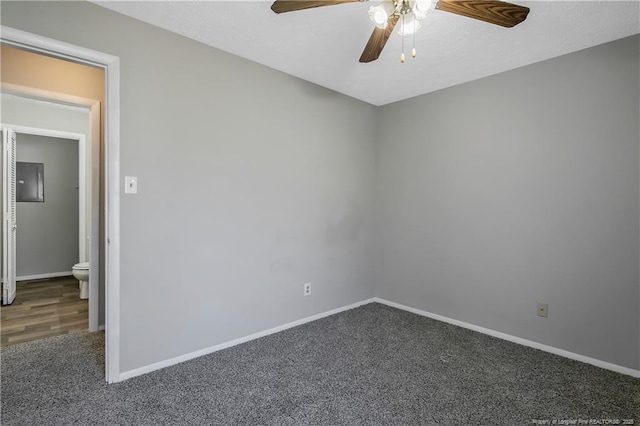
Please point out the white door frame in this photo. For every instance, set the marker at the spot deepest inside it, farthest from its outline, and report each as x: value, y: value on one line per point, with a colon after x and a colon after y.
x: 84, y: 181
x: 93, y: 181
x: 93, y: 106
x: 82, y: 174
x: 111, y: 66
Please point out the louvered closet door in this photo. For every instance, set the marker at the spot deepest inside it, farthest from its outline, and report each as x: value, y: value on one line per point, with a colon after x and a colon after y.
x: 9, y: 216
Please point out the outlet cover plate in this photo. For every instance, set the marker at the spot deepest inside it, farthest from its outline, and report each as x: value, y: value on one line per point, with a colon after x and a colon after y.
x: 543, y: 310
x: 130, y: 185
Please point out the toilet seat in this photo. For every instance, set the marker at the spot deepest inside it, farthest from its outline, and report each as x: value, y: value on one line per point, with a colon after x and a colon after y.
x: 81, y: 265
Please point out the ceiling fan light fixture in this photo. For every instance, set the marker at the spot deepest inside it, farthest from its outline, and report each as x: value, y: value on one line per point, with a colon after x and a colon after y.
x: 380, y: 14
x: 422, y: 8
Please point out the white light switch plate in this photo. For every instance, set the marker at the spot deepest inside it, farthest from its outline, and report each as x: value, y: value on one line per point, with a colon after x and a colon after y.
x: 130, y: 185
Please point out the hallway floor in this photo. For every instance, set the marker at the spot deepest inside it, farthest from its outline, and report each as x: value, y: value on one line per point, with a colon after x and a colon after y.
x: 43, y: 308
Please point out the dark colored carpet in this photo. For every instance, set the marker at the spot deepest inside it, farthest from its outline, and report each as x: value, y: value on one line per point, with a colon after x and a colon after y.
x: 373, y: 365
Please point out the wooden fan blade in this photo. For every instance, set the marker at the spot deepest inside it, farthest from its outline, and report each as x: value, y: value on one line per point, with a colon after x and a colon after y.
x: 377, y: 41
x: 494, y: 12
x: 281, y: 6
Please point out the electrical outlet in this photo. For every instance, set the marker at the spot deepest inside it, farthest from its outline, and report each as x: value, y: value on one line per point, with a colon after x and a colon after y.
x: 543, y: 310
x: 307, y: 289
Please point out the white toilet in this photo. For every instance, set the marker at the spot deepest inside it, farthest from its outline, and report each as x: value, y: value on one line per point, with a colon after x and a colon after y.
x: 81, y: 273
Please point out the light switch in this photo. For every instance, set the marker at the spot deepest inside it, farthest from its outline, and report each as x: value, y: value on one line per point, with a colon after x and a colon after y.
x: 130, y: 185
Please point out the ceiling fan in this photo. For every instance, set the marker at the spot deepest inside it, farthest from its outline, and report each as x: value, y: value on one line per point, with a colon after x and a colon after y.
x: 410, y: 14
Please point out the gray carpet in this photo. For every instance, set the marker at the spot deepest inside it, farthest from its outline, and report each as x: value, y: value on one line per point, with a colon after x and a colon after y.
x: 373, y: 365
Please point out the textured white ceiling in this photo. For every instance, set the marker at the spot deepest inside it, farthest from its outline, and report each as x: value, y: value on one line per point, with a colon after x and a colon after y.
x: 323, y: 45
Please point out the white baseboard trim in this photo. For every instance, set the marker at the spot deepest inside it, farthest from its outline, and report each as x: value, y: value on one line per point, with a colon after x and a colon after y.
x: 44, y: 276
x: 206, y: 351
x: 101, y: 327
x: 514, y: 339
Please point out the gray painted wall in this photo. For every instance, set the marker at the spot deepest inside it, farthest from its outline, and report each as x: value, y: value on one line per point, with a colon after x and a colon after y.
x: 47, y: 234
x: 518, y: 188
x: 252, y: 182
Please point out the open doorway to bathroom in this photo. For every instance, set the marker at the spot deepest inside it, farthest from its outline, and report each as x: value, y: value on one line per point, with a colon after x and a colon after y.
x: 71, y: 88
x: 54, y: 102
x: 52, y: 205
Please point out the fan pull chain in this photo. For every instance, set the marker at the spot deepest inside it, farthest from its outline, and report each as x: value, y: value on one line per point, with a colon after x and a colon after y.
x: 413, y: 52
x: 402, y: 54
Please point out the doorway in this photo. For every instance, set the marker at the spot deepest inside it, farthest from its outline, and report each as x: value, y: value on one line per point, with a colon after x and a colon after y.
x: 110, y: 136
x: 53, y: 233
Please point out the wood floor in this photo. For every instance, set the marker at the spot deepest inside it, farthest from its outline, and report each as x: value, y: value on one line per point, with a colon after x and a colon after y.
x: 43, y: 308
